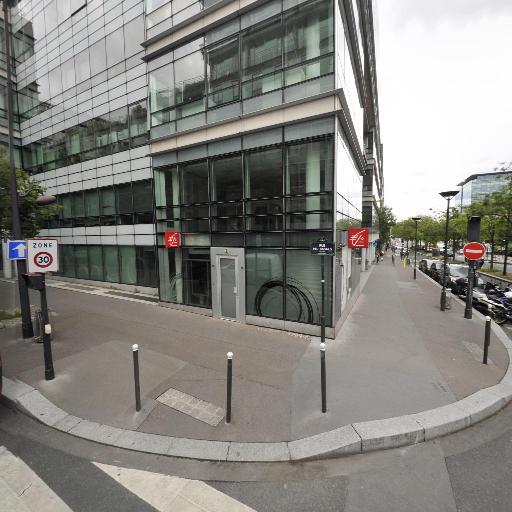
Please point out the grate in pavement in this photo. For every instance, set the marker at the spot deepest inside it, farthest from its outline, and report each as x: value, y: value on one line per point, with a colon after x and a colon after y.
x: 192, y: 406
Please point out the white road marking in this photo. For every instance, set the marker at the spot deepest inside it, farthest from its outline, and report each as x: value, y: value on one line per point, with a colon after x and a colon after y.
x: 171, y: 493
x: 21, y: 490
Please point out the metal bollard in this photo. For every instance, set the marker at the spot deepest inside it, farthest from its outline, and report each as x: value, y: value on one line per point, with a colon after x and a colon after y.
x: 487, y: 340
x: 229, y: 387
x: 135, y: 349
x: 49, y: 372
x: 323, y: 377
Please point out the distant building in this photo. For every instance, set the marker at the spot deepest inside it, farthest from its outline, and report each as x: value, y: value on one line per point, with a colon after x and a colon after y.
x: 479, y: 186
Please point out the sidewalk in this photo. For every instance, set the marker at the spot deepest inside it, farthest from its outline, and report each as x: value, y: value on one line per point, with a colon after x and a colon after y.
x: 396, y: 355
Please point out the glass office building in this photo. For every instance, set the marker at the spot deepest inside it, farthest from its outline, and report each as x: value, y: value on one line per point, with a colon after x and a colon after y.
x: 479, y: 186
x: 250, y: 129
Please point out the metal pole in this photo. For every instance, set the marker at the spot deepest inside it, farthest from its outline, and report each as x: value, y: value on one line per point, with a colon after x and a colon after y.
x: 415, y: 248
x: 443, y: 291
x: 492, y: 248
x: 487, y: 340
x: 229, y: 387
x: 26, y: 320
x: 323, y: 377
x: 136, y: 377
x: 322, y: 316
x: 49, y: 373
x: 468, y: 311
x: 506, y: 258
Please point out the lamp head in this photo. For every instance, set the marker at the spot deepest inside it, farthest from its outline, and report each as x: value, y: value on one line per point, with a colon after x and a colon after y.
x: 45, y: 200
x: 449, y: 194
x: 416, y: 219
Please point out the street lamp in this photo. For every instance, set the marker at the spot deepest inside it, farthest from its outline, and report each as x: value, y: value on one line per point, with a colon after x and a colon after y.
x: 450, y: 194
x: 416, y: 220
x: 506, y: 257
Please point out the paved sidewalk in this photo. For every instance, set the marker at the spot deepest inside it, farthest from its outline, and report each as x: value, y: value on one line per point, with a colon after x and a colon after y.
x: 396, y: 355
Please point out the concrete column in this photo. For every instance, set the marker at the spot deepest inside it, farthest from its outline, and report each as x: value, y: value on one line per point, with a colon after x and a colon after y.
x: 363, y: 259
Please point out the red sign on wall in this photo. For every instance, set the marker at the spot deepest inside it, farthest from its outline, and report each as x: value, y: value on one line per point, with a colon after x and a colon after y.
x: 358, y: 238
x: 172, y: 239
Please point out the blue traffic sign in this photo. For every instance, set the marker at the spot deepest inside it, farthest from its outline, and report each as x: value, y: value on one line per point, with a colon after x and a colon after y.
x: 17, y: 249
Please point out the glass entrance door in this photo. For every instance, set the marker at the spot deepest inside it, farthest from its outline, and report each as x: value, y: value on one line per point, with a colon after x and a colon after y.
x: 228, y: 287
x: 228, y: 283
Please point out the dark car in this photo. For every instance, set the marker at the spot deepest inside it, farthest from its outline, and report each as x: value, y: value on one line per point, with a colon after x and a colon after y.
x: 424, y: 265
x: 436, y: 271
x: 457, y: 278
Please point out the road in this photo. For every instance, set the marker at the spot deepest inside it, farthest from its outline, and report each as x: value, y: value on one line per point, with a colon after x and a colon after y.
x: 468, y: 471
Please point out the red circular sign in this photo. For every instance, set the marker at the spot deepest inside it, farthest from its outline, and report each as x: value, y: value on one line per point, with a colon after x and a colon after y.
x: 474, y: 251
x: 43, y: 259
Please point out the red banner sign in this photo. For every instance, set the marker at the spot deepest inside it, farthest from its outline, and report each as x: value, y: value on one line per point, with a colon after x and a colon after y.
x: 358, y: 238
x: 172, y: 239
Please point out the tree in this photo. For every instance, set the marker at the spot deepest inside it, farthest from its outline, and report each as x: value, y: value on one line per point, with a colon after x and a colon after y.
x: 32, y: 215
x: 405, y: 229
x: 430, y: 230
x: 386, y: 220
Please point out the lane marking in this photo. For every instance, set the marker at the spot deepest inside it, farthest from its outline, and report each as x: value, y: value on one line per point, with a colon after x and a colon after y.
x: 171, y: 493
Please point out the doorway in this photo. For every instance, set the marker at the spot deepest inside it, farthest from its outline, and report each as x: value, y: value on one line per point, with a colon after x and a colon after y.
x: 228, y: 283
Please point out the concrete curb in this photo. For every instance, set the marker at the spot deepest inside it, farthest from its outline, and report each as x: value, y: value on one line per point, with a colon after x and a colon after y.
x: 349, y: 439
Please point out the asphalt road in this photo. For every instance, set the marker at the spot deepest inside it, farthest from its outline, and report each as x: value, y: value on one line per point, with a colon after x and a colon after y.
x: 468, y: 471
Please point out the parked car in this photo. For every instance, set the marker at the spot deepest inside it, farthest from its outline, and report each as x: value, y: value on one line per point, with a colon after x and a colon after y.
x: 424, y: 265
x: 436, y: 270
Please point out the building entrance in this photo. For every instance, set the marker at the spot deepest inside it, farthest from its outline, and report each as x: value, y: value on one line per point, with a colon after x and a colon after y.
x: 228, y: 283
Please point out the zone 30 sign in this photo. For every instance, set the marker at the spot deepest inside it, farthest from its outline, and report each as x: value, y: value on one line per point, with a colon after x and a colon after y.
x: 42, y: 255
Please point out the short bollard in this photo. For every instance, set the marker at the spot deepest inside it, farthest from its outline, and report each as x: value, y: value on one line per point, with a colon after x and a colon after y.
x: 135, y: 349
x: 229, y: 387
x: 487, y: 340
x: 322, y: 377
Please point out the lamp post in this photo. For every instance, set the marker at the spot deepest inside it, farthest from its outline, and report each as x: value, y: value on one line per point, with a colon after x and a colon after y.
x: 506, y: 257
x: 26, y: 320
x: 450, y: 194
x: 416, y: 220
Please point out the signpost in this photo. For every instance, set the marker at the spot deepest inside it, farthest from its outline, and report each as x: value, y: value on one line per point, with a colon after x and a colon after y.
x: 472, y: 251
x: 43, y: 257
x: 172, y: 239
x: 322, y: 248
x: 17, y: 249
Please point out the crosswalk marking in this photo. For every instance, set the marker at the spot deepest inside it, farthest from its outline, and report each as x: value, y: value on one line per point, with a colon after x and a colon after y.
x: 21, y: 490
x: 171, y: 493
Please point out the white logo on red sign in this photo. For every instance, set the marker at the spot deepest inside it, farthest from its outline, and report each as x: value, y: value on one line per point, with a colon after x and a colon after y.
x: 172, y: 239
x: 474, y: 251
x: 358, y: 238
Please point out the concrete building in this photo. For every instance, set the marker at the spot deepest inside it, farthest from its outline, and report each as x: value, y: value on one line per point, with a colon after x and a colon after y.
x: 479, y: 186
x: 250, y: 128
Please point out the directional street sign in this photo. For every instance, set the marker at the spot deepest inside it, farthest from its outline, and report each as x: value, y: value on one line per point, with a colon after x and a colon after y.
x: 42, y: 255
x: 474, y: 251
x: 17, y: 249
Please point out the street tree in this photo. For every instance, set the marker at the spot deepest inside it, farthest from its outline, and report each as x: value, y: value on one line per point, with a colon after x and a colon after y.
x: 386, y: 220
x: 32, y: 215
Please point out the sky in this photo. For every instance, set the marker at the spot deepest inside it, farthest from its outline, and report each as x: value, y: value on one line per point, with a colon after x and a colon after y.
x: 445, y: 95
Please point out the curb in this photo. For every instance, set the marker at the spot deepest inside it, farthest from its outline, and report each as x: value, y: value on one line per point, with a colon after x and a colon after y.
x: 350, y: 439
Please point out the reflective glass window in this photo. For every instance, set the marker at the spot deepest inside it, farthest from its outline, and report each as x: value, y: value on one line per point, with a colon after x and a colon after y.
x: 115, y: 45
x: 223, y: 73
x: 68, y: 74
x: 95, y: 262
x: 161, y: 88
x: 142, y: 196
x: 189, y: 84
x: 119, y: 129
x: 146, y: 266
x: 227, y: 179
x: 134, y: 35
x: 194, y: 182
x: 128, y: 274
x: 81, y: 262
x: 82, y: 67
x: 110, y: 263
x: 264, y: 172
x: 98, y: 57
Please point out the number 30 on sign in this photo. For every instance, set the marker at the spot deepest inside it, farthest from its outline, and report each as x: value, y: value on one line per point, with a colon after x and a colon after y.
x: 42, y: 255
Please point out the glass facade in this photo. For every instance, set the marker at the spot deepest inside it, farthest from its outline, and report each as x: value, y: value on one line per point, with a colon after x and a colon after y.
x: 261, y: 53
x: 133, y: 265
x: 274, y: 201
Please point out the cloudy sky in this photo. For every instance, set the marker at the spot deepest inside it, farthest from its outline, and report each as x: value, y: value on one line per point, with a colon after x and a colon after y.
x: 445, y: 92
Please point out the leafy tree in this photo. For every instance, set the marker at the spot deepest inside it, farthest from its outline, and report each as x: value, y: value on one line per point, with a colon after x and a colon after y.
x: 430, y: 230
x: 31, y: 214
x: 386, y: 220
x: 405, y: 229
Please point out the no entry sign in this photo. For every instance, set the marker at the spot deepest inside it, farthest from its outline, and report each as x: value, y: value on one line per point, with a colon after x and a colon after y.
x: 42, y: 255
x: 474, y: 251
